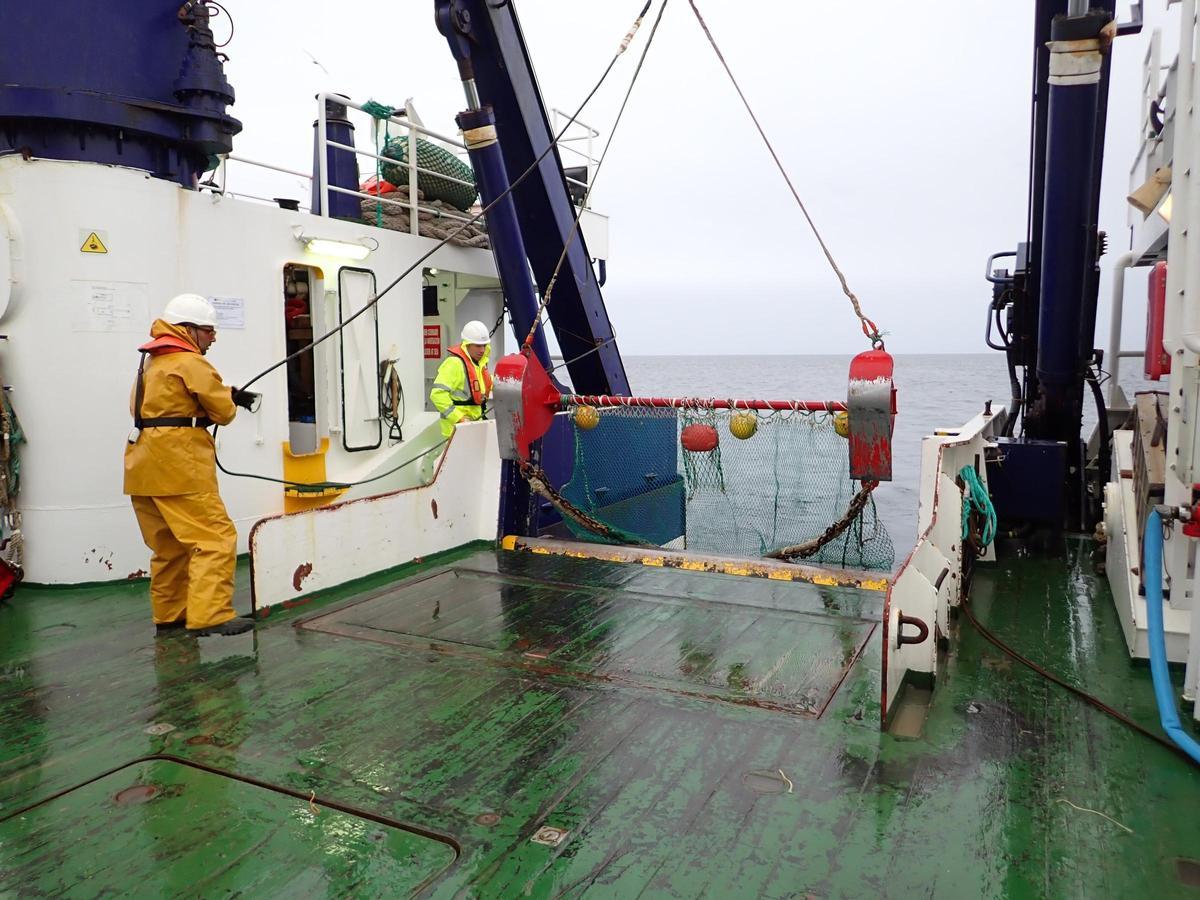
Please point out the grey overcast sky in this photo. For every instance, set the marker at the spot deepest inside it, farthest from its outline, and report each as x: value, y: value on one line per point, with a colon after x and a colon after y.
x: 905, y: 130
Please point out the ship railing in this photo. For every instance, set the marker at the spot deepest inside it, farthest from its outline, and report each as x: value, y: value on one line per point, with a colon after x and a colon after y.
x: 413, y: 130
x: 218, y: 181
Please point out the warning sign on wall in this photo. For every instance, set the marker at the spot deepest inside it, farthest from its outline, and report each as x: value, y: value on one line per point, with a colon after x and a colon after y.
x: 92, y: 241
x: 433, y: 341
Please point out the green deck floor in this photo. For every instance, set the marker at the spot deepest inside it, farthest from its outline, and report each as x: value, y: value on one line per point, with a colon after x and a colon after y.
x: 418, y: 730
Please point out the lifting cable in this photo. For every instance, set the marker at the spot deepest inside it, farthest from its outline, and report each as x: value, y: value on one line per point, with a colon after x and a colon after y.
x: 869, y: 328
x: 374, y: 300
x: 537, y: 319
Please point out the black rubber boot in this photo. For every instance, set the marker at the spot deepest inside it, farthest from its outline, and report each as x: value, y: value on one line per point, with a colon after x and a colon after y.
x: 240, y: 625
x: 170, y: 627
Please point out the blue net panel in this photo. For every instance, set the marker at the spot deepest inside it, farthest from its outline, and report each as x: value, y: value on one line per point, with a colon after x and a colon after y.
x: 739, y: 483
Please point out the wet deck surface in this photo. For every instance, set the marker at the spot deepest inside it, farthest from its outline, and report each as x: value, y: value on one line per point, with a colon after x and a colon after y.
x: 786, y: 659
x: 437, y: 748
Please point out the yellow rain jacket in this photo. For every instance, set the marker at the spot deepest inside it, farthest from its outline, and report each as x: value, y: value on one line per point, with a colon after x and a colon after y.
x: 171, y: 475
x: 165, y: 462
x: 454, y: 395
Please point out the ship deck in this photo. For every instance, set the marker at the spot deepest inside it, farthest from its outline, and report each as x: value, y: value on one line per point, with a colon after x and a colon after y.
x: 501, y: 724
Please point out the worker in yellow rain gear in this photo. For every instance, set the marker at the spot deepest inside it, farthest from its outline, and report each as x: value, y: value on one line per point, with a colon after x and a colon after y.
x: 171, y: 473
x: 463, y: 383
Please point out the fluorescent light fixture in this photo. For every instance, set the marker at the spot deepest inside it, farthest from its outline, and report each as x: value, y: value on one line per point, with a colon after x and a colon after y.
x: 339, y: 249
x: 1164, y: 208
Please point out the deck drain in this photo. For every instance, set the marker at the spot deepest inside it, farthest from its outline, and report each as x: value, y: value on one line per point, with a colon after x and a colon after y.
x: 1188, y: 871
x: 765, y: 782
x: 139, y: 793
x: 488, y: 819
x: 159, y: 728
x: 550, y: 836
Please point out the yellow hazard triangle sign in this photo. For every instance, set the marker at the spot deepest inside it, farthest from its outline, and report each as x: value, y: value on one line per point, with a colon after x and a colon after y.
x: 93, y: 244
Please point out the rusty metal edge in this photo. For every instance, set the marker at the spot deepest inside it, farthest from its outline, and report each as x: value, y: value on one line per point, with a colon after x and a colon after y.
x: 319, y: 509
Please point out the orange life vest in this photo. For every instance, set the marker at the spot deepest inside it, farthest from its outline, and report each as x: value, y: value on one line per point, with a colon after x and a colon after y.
x: 167, y: 343
x: 479, y: 392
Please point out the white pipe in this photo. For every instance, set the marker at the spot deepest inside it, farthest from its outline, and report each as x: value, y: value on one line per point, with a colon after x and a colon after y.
x: 1113, y: 356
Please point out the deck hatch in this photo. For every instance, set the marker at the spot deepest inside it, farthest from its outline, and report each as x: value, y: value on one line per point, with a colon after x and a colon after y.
x: 775, y: 658
x: 164, y: 828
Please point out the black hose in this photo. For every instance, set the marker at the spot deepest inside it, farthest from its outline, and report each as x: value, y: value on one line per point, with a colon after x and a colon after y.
x: 1104, y: 466
x: 1078, y: 692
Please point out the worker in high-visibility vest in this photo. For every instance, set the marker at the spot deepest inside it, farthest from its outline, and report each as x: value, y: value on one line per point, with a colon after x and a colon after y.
x: 463, y: 383
x: 171, y: 472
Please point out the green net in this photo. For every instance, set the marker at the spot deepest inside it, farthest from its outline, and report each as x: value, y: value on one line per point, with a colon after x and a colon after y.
x: 434, y: 159
x: 734, y: 482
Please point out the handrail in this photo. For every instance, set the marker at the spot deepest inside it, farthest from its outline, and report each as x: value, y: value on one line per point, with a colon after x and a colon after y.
x: 414, y: 129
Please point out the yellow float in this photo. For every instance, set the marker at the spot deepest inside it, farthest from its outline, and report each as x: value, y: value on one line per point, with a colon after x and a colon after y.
x: 586, y: 418
x: 841, y: 424
x: 743, y: 425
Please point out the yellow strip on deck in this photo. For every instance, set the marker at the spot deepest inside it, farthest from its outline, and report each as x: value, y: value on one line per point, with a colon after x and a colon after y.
x: 725, y: 565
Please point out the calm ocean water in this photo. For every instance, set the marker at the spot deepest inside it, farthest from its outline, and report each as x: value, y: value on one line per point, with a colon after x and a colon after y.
x: 935, y: 391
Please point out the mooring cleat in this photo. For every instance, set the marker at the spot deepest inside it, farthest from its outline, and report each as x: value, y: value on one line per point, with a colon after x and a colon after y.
x: 240, y: 625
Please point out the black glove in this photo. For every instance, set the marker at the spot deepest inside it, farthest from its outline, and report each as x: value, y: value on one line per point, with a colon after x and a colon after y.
x: 246, y: 399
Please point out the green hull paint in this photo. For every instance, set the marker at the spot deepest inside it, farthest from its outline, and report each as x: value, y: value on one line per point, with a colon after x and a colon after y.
x: 616, y: 702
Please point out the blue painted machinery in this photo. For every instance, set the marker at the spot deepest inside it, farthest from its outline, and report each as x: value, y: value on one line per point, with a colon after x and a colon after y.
x: 138, y: 83
x: 1043, y: 310
x: 507, y: 132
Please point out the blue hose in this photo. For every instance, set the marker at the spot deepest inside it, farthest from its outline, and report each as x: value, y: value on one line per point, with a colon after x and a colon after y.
x: 1168, y: 714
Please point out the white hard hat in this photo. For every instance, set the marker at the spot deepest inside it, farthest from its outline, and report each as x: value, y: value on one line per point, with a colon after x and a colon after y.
x: 190, y: 309
x: 475, y: 332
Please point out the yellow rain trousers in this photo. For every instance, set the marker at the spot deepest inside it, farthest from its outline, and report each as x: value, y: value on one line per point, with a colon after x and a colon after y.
x: 194, y: 547
x: 450, y: 385
x: 171, y: 477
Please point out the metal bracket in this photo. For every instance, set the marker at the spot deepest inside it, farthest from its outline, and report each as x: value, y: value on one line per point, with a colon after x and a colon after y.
x: 919, y: 638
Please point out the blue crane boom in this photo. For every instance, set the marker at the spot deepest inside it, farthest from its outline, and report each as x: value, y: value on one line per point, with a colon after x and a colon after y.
x: 494, y: 64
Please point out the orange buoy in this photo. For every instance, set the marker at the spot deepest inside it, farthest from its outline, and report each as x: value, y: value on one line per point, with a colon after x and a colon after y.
x: 698, y: 438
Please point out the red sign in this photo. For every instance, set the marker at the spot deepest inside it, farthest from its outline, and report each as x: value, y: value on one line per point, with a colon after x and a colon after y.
x: 433, y: 341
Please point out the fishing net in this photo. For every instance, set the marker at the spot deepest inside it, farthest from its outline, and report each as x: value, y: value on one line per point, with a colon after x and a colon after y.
x: 434, y: 159
x: 734, y: 482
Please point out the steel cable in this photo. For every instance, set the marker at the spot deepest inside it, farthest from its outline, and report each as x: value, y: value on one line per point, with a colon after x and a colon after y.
x: 869, y: 328
x: 374, y: 300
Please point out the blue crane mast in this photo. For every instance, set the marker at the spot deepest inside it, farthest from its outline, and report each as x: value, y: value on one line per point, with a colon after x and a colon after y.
x: 1044, y: 307
x: 532, y: 219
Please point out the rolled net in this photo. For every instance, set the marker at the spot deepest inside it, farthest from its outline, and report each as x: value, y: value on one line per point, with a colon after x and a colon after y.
x: 681, y: 478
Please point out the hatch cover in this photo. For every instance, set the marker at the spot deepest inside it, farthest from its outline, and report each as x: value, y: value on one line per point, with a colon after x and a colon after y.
x: 774, y: 658
x: 166, y: 829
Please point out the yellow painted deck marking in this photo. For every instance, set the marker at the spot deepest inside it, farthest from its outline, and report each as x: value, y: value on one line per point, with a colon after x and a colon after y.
x: 745, y: 568
x: 93, y: 244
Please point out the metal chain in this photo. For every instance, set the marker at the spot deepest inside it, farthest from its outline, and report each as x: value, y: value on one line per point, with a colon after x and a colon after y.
x: 869, y: 328
x: 539, y: 483
x: 808, y: 548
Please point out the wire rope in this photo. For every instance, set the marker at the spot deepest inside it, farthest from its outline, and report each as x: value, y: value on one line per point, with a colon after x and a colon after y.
x: 378, y: 296
x: 869, y: 328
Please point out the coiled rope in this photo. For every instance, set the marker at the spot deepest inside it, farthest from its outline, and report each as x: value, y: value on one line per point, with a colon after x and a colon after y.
x: 976, y: 499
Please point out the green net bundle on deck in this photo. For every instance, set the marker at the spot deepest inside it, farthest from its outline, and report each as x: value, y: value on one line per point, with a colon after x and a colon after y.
x: 433, y: 159
x: 784, y: 482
